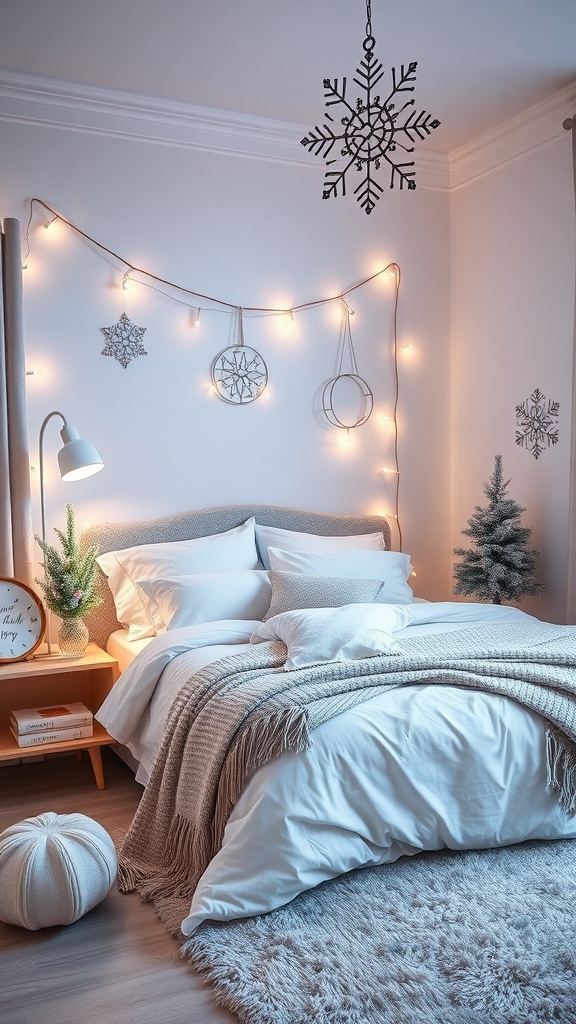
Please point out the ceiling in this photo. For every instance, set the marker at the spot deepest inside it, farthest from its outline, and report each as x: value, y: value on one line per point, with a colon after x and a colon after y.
x: 480, y: 62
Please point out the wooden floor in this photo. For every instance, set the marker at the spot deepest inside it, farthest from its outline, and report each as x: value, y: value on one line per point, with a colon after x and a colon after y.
x: 117, y: 964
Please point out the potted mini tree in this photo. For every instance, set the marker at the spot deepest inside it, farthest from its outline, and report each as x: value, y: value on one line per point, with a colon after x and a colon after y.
x: 69, y: 586
x: 499, y: 566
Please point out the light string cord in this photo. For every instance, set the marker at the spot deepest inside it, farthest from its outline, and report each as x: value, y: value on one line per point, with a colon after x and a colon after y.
x: 239, y: 311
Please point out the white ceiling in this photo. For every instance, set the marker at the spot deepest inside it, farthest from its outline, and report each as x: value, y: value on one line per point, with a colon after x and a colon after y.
x: 480, y: 62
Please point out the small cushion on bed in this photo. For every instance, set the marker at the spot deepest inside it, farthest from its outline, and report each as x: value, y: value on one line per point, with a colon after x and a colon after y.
x: 291, y: 590
x: 291, y: 540
x: 391, y: 567
x: 234, y: 549
x: 315, y: 635
x: 207, y: 597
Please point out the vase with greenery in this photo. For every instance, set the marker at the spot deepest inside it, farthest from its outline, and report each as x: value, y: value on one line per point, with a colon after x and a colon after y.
x: 69, y: 585
x: 500, y: 566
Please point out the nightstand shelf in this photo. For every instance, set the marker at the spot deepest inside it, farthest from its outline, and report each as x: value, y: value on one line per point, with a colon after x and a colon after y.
x: 46, y: 680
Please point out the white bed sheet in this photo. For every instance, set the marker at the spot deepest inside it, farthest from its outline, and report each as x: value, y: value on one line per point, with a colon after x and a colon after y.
x: 123, y: 649
x: 418, y: 768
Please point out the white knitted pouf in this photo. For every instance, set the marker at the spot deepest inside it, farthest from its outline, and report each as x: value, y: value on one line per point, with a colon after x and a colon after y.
x: 53, y: 869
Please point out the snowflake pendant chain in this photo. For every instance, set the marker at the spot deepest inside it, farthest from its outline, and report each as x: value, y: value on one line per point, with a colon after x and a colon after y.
x: 373, y: 129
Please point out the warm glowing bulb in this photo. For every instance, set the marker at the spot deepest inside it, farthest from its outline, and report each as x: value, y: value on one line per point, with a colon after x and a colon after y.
x: 49, y: 222
x: 386, y: 469
x: 35, y: 373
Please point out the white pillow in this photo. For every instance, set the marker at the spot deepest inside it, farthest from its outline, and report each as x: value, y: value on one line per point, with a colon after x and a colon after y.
x: 292, y: 590
x: 315, y: 635
x: 290, y: 540
x: 392, y: 567
x: 234, y: 549
x: 207, y: 597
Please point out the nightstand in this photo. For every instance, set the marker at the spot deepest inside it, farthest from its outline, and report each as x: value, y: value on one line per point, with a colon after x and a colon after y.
x: 45, y: 680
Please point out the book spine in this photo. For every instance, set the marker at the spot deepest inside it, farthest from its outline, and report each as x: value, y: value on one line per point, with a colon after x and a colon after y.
x: 80, y: 718
x: 36, y: 739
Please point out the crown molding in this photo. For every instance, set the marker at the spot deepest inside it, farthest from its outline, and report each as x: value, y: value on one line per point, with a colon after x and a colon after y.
x: 51, y: 102
x: 536, y: 127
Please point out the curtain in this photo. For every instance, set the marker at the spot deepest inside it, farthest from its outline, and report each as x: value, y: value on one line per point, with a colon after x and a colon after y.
x: 16, y: 551
x: 570, y: 125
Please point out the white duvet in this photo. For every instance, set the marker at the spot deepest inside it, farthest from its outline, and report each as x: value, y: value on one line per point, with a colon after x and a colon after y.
x: 417, y: 768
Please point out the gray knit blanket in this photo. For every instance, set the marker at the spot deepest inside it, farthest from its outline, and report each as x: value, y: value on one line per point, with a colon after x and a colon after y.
x: 244, y: 710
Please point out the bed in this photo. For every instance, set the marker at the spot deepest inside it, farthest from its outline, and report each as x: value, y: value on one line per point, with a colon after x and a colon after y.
x: 295, y: 712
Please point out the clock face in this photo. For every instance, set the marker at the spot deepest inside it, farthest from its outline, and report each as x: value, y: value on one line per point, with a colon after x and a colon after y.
x: 22, y: 620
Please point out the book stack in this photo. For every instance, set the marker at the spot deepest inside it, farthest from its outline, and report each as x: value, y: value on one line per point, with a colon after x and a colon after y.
x: 31, y: 727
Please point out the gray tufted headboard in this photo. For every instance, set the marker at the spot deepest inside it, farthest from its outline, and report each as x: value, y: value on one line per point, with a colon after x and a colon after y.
x: 202, y: 523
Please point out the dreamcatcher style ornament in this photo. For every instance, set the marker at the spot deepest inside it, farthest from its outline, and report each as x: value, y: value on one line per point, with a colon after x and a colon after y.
x: 373, y: 129
x: 239, y: 374
x: 123, y: 341
x: 329, y: 394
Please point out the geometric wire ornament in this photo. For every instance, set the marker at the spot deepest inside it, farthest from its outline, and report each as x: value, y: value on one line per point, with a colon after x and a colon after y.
x: 373, y: 129
x: 123, y: 341
x: 537, y: 425
x: 330, y: 389
x: 239, y: 374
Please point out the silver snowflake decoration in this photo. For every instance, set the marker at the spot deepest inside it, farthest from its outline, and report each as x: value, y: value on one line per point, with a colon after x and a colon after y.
x: 373, y: 129
x: 123, y: 341
x: 239, y: 374
x: 537, y: 425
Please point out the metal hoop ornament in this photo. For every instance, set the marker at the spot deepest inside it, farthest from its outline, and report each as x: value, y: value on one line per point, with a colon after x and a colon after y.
x: 328, y: 401
x: 239, y: 373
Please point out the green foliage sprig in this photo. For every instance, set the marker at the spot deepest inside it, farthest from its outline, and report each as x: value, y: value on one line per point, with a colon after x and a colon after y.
x: 69, y: 584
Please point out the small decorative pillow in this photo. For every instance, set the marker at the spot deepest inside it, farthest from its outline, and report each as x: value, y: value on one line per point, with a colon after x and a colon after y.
x: 316, y: 635
x: 291, y: 540
x: 291, y: 590
x: 207, y: 597
x: 233, y: 549
x: 393, y: 568
x: 53, y: 869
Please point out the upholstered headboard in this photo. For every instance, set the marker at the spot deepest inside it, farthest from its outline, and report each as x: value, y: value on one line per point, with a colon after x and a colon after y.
x: 202, y: 523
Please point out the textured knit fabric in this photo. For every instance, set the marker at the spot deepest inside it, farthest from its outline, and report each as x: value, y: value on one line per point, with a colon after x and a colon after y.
x: 244, y: 710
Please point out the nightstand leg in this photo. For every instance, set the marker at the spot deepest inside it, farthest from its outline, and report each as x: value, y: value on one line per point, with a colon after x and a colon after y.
x: 96, y: 759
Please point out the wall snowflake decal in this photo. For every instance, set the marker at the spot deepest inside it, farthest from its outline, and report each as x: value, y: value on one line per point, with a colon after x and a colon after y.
x: 537, y: 426
x: 373, y: 128
x: 123, y: 341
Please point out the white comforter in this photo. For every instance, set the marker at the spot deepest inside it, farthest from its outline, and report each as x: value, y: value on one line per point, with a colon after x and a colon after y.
x: 417, y: 768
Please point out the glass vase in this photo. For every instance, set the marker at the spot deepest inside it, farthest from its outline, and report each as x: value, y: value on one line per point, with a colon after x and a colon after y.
x: 72, y: 638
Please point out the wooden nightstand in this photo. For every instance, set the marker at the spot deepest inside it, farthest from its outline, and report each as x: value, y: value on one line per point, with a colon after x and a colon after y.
x: 51, y: 679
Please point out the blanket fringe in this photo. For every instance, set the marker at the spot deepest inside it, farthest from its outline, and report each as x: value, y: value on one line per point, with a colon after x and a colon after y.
x: 561, y: 768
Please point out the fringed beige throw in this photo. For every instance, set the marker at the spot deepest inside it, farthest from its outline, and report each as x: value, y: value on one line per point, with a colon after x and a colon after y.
x: 245, y: 710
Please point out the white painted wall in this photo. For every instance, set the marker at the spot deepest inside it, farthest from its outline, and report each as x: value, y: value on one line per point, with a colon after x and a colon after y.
x: 255, y: 233
x: 512, y: 247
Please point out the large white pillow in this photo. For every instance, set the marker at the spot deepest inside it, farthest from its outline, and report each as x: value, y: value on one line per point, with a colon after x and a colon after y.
x: 234, y: 549
x: 315, y: 635
x: 291, y: 540
x: 392, y: 567
x: 207, y: 597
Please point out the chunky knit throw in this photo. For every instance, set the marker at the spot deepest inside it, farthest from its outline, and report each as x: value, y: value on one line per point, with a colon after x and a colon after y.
x: 245, y: 710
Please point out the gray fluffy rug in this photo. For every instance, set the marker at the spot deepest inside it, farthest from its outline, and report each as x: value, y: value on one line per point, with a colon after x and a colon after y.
x: 486, y: 937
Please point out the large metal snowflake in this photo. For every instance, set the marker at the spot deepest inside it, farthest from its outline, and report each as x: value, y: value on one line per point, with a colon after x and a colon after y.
x: 373, y: 129
x: 536, y: 418
x: 124, y: 341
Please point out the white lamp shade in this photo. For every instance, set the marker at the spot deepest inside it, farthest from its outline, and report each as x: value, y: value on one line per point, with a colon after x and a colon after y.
x: 78, y: 458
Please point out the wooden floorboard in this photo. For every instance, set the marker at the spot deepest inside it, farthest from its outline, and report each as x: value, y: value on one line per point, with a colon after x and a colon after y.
x: 117, y: 964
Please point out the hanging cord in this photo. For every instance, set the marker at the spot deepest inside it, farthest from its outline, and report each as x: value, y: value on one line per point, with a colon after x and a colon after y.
x: 397, y: 276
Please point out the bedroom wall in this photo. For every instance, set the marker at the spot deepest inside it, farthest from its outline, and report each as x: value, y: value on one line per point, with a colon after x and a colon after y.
x: 512, y: 322
x: 253, y: 232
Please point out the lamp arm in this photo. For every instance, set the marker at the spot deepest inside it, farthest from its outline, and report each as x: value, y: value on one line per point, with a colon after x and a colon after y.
x: 41, y: 461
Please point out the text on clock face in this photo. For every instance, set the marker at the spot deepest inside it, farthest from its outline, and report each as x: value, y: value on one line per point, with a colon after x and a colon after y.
x: 6, y: 634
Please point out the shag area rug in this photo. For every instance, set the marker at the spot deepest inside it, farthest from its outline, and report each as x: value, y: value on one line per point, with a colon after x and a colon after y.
x: 481, y: 937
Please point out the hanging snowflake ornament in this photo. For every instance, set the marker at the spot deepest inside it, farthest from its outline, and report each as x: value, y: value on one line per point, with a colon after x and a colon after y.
x: 537, y: 423
x: 123, y: 341
x: 373, y: 129
x: 239, y: 374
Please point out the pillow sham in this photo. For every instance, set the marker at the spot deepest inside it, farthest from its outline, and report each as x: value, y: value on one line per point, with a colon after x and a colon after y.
x: 234, y: 549
x: 354, y: 631
x: 391, y: 567
x: 291, y: 540
x: 207, y: 597
x: 292, y: 590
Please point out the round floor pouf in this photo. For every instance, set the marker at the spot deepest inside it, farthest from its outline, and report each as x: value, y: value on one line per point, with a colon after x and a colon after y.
x: 53, y: 869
